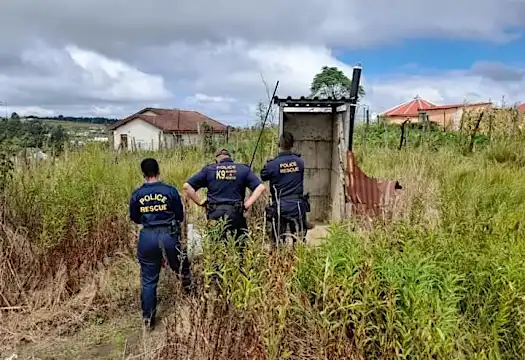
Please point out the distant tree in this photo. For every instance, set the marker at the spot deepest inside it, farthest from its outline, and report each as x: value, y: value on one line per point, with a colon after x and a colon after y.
x: 57, y: 138
x: 34, y: 133
x: 93, y: 120
x: 15, y: 116
x: 16, y: 133
x: 332, y: 82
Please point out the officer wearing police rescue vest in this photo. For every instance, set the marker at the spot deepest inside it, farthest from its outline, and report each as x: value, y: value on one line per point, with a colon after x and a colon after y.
x: 226, y: 182
x: 158, y: 208
x: 286, y: 176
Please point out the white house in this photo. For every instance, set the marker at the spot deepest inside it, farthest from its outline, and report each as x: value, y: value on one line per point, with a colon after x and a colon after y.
x: 152, y: 128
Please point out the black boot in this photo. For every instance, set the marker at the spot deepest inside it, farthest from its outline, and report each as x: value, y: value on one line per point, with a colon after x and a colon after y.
x: 187, y: 284
x: 149, y: 324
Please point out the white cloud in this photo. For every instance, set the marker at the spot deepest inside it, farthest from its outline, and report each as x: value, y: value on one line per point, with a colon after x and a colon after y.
x: 114, y: 80
x: 225, y: 81
x: 54, y: 78
x: 113, y: 25
x: 294, y: 66
x: 203, y: 98
x: 112, y: 58
x: 33, y: 110
x: 444, y: 88
x: 108, y: 110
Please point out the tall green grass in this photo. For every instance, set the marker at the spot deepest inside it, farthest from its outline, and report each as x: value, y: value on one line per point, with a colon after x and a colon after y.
x: 445, y: 279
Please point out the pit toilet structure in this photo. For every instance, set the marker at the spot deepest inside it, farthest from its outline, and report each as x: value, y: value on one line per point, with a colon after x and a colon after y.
x: 323, y: 132
x: 319, y: 127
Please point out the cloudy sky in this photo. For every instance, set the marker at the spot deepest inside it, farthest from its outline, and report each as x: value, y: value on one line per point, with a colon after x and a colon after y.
x: 114, y: 57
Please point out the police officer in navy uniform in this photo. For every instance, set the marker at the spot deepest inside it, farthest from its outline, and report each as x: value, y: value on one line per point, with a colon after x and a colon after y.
x: 158, y: 208
x: 226, y: 182
x: 289, y: 205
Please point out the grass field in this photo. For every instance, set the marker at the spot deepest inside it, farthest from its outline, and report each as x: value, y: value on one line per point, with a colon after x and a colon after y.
x: 445, y: 279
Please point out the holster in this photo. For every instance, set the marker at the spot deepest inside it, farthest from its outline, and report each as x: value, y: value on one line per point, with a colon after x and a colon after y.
x: 306, y: 199
x: 239, y: 207
x: 271, y: 212
x: 174, y: 229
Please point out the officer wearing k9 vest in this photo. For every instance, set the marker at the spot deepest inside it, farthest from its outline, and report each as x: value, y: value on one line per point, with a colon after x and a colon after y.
x: 289, y: 206
x: 158, y: 208
x: 226, y: 182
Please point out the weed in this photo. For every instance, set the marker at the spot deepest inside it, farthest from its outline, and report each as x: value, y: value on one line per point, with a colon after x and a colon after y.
x: 444, y: 279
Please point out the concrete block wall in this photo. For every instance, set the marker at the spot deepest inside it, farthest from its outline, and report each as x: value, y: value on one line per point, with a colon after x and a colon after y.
x: 338, y: 176
x: 313, y: 133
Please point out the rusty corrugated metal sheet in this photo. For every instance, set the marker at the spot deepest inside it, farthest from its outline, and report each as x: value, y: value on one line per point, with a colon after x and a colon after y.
x: 369, y: 196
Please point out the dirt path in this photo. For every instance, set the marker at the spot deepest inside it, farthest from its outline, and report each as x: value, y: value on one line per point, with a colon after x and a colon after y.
x: 121, y: 337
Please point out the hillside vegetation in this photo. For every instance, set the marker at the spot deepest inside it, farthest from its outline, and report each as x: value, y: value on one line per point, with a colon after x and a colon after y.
x: 16, y: 134
x: 445, y: 279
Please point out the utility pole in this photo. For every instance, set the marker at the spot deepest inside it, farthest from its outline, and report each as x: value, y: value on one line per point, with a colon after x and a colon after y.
x: 4, y: 103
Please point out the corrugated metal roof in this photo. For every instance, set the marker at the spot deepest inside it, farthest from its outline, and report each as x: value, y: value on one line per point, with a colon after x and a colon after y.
x: 410, y: 108
x: 173, y: 120
x: 310, y: 102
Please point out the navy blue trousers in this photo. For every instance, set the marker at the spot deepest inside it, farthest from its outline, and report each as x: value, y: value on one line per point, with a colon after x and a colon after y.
x: 297, y: 226
x: 292, y: 216
x: 235, y: 224
x: 152, y: 245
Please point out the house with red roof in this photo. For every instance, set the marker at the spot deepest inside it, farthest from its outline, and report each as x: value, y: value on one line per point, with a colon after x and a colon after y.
x: 153, y: 128
x: 448, y: 116
x: 521, y: 108
x: 407, y: 111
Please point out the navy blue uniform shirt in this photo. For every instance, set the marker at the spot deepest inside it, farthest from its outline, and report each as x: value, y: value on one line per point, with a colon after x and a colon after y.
x: 286, y: 176
x: 226, y: 182
x: 156, y: 204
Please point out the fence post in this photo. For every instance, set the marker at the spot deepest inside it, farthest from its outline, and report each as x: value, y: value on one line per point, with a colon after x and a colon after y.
x: 515, y: 119
x: 363, y: 129
x: 385, y: 133
x: 367, y: 116
x: 491, y: 117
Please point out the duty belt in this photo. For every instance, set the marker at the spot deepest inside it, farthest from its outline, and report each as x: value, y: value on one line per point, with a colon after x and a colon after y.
x: 292, y: 197
x: 159, y: 228
x: 305, y: 198
x: 224, y: 206
x: 171, y: 229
